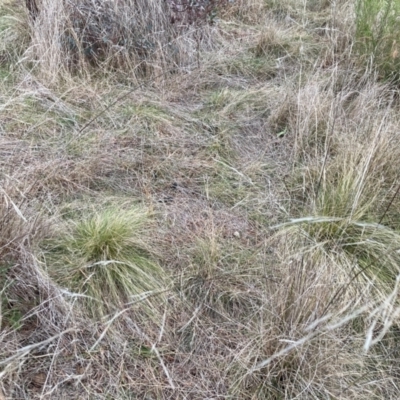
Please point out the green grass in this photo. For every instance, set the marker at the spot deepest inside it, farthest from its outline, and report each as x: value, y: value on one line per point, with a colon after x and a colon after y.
x: 104, y: 258
x: 11, y: 313
x: 342, y: 214
x: 377, y: 36
x: 14, y: 36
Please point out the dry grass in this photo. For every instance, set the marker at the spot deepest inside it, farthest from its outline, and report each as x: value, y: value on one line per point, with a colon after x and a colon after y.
x: 267, y: 157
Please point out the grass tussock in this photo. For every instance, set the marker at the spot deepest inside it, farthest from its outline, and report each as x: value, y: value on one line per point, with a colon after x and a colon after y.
x: 136, y: 38
x: 259, y: 139
x: 377, y: 27
x: 14, y: 33
x: 105, y: 258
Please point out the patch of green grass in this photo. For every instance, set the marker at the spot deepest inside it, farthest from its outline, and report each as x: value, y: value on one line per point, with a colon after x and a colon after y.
x: 14, y: 32
x: 105, y: 257
x: 342, y: 223
x: 10, y: 314
x: 12, y: 317
x: 37, y: 117
x: 5, y: 74
x: 378, y: 36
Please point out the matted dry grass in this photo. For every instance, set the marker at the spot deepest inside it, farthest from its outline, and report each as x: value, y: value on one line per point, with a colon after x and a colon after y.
x: 265, y: 159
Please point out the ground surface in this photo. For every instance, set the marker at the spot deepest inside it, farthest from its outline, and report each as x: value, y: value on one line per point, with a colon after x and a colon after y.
x: 223, y: 229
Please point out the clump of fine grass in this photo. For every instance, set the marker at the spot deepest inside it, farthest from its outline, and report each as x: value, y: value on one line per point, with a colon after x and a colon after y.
x: 377, y: 36
x: 105, y: 258
x: 338, y: 254
x: 338, y: 282
x: 272, y: 42
x: 343, y: 221
x: 139, y: 37
x: 14, y: 36
x: 217, y: 277
x: 345, y: 209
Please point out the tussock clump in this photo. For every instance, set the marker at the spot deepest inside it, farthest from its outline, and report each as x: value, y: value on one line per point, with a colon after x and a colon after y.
x: 342, y: 232
x: 346, y: 202
x: 288, y: 351
x: 105, y: 258
x: 14, y: 33
x: 218, y: 276
x: 136, y: 36
x: 377, y: 37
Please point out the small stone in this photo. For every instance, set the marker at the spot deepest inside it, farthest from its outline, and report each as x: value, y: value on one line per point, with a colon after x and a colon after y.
x: 236, y: 234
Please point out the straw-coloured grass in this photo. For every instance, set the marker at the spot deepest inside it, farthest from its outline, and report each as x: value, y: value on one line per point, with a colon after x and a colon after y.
x: 199, y: 203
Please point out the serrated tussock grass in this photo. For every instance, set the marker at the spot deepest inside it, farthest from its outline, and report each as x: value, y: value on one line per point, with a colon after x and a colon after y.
x: 337, y: 247
x: 105, y: 257
x: 14, y: 33
x: 377, y: 36
x: 346, y: 205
